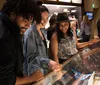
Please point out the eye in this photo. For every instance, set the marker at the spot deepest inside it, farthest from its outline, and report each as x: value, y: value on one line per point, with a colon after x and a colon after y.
x: 66, y: 23
x: 61, y: 25
x: 25, y: 20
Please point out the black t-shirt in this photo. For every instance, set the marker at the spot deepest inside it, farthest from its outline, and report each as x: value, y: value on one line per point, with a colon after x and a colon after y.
x: 11, y: 56
x: 50, y: 32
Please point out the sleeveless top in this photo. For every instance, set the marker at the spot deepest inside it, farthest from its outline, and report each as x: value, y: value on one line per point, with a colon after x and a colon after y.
x: 66, y: 47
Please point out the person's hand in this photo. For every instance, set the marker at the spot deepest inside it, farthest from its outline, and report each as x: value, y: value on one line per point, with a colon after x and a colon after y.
x: 95, y: 40
x: 36, y: 76
x: 54, y: 66
x: 96, y: 37
x: 59, y: 75
x: 40, y: 25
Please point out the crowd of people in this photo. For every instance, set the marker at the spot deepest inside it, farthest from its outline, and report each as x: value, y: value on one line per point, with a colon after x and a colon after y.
x: 23, y: 48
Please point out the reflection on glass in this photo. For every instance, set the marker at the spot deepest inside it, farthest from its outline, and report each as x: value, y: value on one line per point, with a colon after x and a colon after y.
x: 77, y: 1
x: 65, y: 0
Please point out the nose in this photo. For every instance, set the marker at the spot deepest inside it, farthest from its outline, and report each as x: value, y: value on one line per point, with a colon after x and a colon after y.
x: 44, y: 21
x: 64, y: 27
x: 27, y: 25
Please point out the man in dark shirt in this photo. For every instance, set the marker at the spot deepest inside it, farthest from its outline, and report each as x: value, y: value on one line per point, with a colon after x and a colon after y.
x: 14, y: 15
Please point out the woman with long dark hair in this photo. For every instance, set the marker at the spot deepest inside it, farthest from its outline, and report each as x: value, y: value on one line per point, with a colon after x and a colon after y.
x: 62, y: 42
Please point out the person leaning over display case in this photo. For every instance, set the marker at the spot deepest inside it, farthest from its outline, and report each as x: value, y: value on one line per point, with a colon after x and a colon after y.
x: 35, y: 49
x: 64, y: 43
x: 15, y: 14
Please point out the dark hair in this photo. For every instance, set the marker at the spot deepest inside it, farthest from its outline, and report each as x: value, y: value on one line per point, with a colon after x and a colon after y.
x: 39, y: 3
x: 63, y: 17
x: 43, y: 8
x: 24, y: 8
x: 60, y: 34
x: 53, y: 19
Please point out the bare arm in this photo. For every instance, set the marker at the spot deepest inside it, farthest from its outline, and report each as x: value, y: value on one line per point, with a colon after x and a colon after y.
x: 54, y: 47
x: 84, y: 44
x: 36, y: 76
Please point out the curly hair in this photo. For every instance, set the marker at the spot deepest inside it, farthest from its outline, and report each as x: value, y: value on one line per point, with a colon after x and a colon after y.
x: 24, y: 8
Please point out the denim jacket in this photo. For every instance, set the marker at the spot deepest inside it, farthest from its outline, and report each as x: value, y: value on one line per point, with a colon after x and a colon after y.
x: 35, y: 54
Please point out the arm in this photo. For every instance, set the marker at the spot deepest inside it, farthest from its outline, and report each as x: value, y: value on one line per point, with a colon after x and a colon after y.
x: 52, y: 65
x: 36, y: 76
x: 54, y: 47
x: 84, y: 44
x: 29, y: 50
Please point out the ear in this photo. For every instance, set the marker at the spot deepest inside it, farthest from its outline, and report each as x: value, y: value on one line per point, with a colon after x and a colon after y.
x: 12, y: 16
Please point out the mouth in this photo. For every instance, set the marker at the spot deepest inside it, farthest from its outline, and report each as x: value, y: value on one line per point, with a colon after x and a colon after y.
x: 42, y: 24
x: 23, y: 30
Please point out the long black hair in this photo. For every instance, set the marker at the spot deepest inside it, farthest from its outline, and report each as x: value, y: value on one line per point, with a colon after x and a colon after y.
x: 60, y: 34
x: 42, y: 7
x: 24, y: 8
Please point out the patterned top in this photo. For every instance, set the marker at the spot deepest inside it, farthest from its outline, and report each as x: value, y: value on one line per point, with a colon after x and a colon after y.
x: 66, y: 47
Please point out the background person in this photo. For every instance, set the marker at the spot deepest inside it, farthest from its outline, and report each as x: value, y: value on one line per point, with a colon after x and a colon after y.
x: 85, y: 31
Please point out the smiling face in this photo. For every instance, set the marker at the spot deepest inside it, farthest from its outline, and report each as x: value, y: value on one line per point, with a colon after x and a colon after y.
x: 64, y: 26
x: 24, y: 24
x: 44, y: 20
x: 73, y: 25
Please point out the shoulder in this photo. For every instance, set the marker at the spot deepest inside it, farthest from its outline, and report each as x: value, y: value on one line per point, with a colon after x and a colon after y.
x: 54, y: 36
x: 29, y: 32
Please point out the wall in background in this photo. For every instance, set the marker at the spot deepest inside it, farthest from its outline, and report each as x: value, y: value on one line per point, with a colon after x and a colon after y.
x: 1, y: 3
x: 96, y: 10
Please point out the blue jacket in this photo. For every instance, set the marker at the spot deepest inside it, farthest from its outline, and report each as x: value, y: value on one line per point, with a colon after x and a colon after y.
x: 35, y: 52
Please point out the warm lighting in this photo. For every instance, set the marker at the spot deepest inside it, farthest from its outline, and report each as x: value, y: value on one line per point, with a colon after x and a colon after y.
x: 73, y: 10
x: 58, y: 5
x: 55, y: 13
x: 65, y: 10
x: 65, y: 0
x: 51, y: 0
x: 77, y: 1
